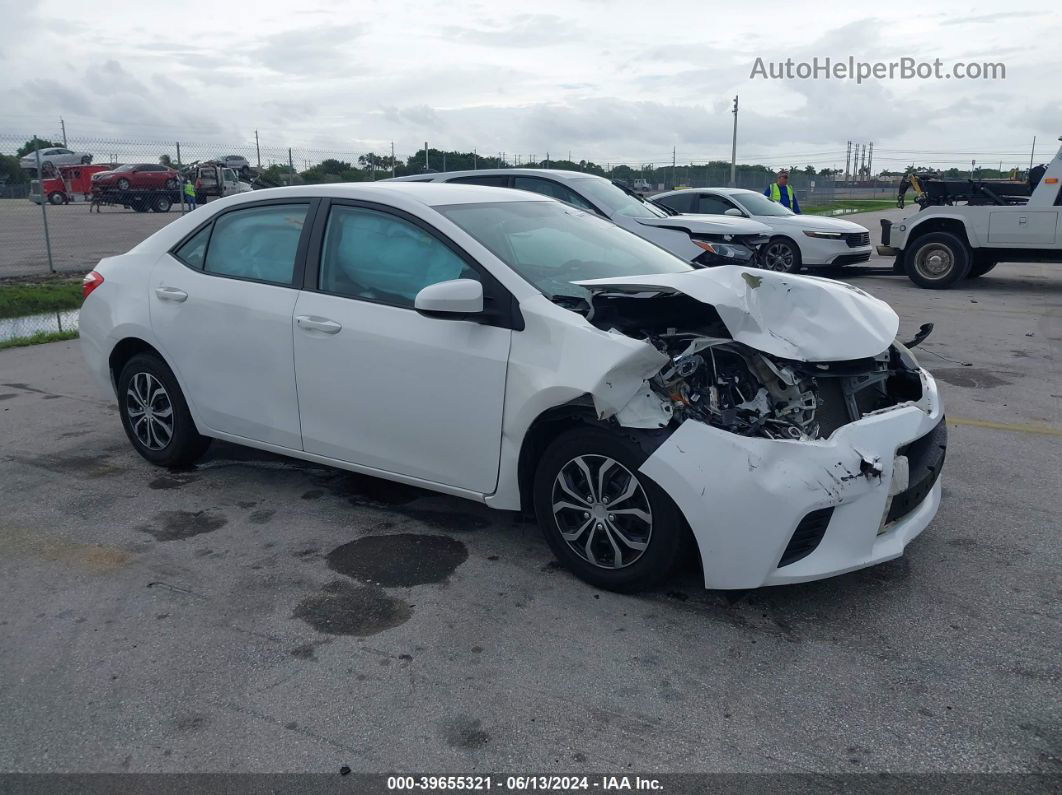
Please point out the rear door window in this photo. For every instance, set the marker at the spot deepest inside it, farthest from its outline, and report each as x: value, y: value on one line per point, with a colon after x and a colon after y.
x: 258, y: 243
x: 680, y: 202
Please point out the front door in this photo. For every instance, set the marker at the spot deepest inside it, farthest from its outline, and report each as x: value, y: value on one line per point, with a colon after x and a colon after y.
x: 221, y: 309
x: 381, y: 385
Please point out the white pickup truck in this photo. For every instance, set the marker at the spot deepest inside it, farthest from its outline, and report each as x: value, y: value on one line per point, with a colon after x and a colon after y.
x: 964, y: 228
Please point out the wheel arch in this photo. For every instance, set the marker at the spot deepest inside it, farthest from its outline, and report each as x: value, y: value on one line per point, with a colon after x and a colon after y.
x: 936, y: 223
x: 126, y: 349
x: 546, y: 427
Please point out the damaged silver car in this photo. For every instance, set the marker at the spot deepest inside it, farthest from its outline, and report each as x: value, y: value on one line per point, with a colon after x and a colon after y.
x: 517, y: 351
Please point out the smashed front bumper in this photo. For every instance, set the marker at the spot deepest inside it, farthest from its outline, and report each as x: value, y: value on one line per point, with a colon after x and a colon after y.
x: 769, y: 512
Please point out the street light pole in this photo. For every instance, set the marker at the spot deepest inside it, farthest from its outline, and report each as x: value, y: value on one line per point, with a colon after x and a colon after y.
x: 733, y: 148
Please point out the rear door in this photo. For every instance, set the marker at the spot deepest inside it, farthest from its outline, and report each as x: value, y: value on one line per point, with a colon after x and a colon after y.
x: 221, y: 307
x: 381, y: 385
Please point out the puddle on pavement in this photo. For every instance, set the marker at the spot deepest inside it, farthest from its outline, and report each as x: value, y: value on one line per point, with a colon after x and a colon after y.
x: 342, y: 608
x: 28, y: 325
x: 400, y: 560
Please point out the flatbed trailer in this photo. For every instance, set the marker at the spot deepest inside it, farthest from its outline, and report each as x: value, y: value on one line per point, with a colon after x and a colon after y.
x: 142, y: 200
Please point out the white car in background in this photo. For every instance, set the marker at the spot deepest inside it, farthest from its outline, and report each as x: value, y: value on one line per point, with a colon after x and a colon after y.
x: 702, y: 240
x: 510, y: 349
x: 55, y: 156
x: 810, y: 241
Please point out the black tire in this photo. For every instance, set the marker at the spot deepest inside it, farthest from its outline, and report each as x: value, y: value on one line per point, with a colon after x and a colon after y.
x: 162, y: 204
x: 55, y: 197
x: 47, y: 164
x: 122, y: 184
x: 937, y: 260
x: 86, y: 160
x: 666, y: 526
x: 184, y: 446
x: 171, y: 184
x: 981, y: 266
x: 780, y: 254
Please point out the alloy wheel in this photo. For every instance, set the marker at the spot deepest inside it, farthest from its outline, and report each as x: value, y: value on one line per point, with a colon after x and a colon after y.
x: 602, y: 511
x: 150, y: 412
x: 778, y: 257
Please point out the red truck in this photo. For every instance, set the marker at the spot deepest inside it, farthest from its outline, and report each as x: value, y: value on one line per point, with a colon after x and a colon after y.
x: 65, y: 184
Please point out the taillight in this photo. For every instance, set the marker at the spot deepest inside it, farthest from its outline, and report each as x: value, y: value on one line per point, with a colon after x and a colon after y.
x: 90, y: 283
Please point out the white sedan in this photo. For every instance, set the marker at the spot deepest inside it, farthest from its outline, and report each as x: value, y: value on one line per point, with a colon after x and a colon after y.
x: 511, y: 349
x: 54, y: 156
x: 796, y: 240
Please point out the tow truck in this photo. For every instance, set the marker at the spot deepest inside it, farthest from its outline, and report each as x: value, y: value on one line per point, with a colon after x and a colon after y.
x: 964, y: 228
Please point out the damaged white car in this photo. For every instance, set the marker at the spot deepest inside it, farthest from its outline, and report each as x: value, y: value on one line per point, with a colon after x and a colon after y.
x: 514, y: 350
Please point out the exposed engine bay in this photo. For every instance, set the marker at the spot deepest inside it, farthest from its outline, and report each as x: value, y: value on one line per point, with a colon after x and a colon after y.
x: 715, y: 379
x: 741, y: 390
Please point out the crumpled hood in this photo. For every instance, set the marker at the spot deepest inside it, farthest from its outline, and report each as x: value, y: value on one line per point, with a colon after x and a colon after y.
x: 709, y: 224
x: 804, y: 318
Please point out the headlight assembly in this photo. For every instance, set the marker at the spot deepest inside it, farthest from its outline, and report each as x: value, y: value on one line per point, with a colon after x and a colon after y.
x: 823, y: 235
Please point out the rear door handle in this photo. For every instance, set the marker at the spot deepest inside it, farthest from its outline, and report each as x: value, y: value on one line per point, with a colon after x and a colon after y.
x: 314, y: 323
x: 170, y: 294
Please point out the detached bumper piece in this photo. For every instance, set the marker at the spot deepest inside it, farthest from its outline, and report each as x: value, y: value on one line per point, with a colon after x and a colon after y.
x: 925, y: 460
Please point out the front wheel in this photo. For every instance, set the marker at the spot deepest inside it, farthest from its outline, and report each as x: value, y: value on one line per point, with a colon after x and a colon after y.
x: 86, y: 160
x: 937, y: 260
x: 55, y: 197
x: 171, y: 184
x: 154, y: 413
x: 605, y: 521
x: 123, y: 184
x: 780, y: 254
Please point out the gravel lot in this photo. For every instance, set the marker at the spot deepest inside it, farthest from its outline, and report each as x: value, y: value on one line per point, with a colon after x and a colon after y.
x: 226, y: 618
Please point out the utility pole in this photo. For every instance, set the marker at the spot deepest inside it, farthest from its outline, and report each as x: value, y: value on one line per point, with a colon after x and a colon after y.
x: 847, y: 159
x: 257, y: 149
x: 475, y: 160
x: 425, y: 157
x: 973, y: 165
x: 444, y: 160
x: 870, y: 160
x: 1032, y: 154
x: 392, y: 159
x: 547, y: 159
x: 862, y: 161
x: 672, y: 168
x: 291, y: 168
x: 63, y: 125
x: 733, y: 148
x: 180, y: 170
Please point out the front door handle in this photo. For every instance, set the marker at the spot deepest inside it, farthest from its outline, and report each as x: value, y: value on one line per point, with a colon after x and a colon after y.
x: 314, y: 323
x: 171, y: 294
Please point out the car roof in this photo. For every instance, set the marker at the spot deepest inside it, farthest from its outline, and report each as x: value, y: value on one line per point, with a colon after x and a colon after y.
x: 427, y: 193
x: 558, y: 174
x: 726, y: 191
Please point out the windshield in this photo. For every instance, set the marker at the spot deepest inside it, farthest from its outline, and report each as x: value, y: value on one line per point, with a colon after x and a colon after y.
x: 758, y: 204
x: 614, y: 201
x: 552, y: 245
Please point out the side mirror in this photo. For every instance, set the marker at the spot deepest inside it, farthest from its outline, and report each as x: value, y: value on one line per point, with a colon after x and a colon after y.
x: 734, y: 211
x: 454, y: 300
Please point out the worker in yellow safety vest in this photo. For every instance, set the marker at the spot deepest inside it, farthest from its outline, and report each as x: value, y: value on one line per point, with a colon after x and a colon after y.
x: 780, y: 191
x: 189, y: 193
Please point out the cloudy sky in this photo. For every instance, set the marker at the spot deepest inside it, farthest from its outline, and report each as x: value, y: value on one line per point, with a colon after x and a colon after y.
x: 608, y: 81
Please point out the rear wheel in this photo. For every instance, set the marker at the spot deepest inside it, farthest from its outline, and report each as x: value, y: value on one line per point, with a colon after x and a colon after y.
x: 780, y: 254
x: 937, y: 260
x: 162, y: 204
x: 171, y: 184
x: 154, y: 413
x: 604, y: 520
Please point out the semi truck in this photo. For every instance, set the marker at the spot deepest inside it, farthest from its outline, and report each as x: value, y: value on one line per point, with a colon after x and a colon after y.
x: 964, y: 228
